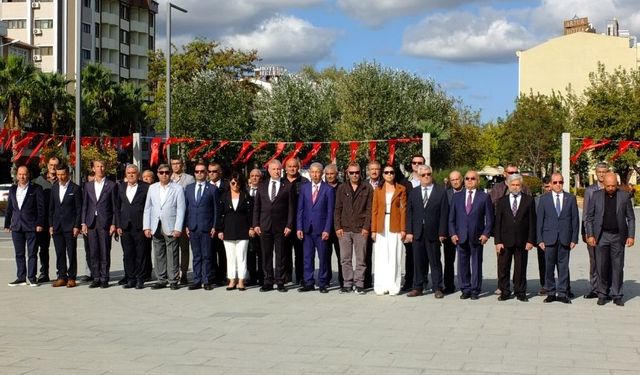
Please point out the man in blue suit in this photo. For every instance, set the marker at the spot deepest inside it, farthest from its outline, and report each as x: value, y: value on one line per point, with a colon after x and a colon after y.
x: 557, y: 233
x: 315, y: 219
x: 201, y: 200
x: 24, y: 218
x: 470, y: 224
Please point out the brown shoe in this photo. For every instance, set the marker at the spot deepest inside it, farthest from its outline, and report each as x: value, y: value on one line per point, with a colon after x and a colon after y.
x: 59, y: 283
x: 71, y: 283
x: 439, y: 294
x: 414, y: 293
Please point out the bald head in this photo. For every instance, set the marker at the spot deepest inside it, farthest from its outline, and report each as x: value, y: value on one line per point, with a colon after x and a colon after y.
x: 610, y: 183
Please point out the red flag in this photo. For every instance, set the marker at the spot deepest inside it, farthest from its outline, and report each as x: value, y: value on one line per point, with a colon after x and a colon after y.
x: 249, y: 154
x: 293, y: 153
x: 173, y: 140
x: 312, y: 154
x: 196, y: 150
x: 353, y: 147
x: 392, y: 151
x: 3, y: 134
x: 588, y: 144
x: 623, y: 147
x: 279, y: 149
x: 14, y: 134
x: 86, y: 141
x: 372, y: 150
x: 210, y: 154
x: 243, y: 150
x: 72, y: 151
x: 36, y: 149
x: 126, y: 142
x: 155, y: 151
x: 333, y: 150
x: 20, y: 146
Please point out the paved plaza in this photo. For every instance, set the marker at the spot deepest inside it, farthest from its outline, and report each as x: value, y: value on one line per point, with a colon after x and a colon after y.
x: 49, y: 330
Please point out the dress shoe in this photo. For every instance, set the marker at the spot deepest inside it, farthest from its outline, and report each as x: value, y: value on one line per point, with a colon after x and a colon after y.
x: 32, y: 282
x: 415, y: 293
x: 618, y: 302
x: 549, y: 299
x: 104, y: 284
x: 18, y: 282
x: 449, y: 290
x: 345, y: 290
x: 602, y: 301
x: 208, y: 286
x: 94, y: 284
x: 159, y: 286
x: 71, y: 283
x: 140, y: 284
x: 465, y: 296
x: 306, y: 288
x: 242, y: 289
x: 59, y: 282
x: 231, y: 287
x: 129, y: 285
x: 360, y: 291
x: 86, y: 278
x: 195, y: 286
x: 266, y: 288
x: 504, y: 297
x: 522, y: 298
x: 43, y: 279
x: 184, y: 280
x: 566, y: 300
x: 174, y: 286
x: 542, y: 292
x: 324, y: 290
x: 571, y: 295
x: 123, y: 281
x: 474, y: 297
x: 282, y: 288
x: 438, y: 294
x: 591, y: 295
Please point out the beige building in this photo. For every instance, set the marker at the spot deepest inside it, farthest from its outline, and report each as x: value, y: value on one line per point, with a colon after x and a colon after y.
x: 567, y: 60
x: 116, y: 33
x: 10, y: 46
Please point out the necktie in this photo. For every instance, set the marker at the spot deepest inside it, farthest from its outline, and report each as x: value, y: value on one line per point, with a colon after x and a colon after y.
x: 199, y: 193
x: 273, y: 190
x: 469, y: 203
x: 314, y: 195
x: 558, y: 204
x: 514, y: 206
x: 253, y: 192
x: 425, y: 197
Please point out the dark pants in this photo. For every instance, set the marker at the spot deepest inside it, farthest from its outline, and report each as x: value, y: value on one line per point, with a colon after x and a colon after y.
x: 270, y: 241
x: 595, y: 271
x: 254, y: 261
x: 148, y: 264
x: 87, y: 255
x: 218, y: 268
x: 100, y: 246
x: 449, y: 250
x: 134, y: 253
x: 541, y: 266
x: 43, y: 240
x: 426, y: 255
x: 470, y: 268
x: 66, y: 248
x: 610, y: 260
x: 201, y: 247
x: 368, y: 261
x: 25, y: 243
x: 408, y: 265
x: 183, y: 243
x: 294, y: 255
x: 557, y: 257
x: 334, y: 245
x: 519, y: 256
x: 313, y: 242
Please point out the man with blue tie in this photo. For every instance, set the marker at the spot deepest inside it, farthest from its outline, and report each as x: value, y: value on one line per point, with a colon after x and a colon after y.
x: 557, y: 233
x: 315, y: 220
x: 24, y: 218
x: 201, y: 200
x: 470, y: 224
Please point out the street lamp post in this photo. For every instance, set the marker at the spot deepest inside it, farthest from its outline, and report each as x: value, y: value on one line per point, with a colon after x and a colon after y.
x: 78, y: 58
x: 168, y: 74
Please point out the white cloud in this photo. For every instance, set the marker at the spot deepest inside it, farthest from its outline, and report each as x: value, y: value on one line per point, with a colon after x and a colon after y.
x: 286, y: 40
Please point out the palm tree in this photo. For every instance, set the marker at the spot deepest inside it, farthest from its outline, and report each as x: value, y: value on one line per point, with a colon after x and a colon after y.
x: 98, y: 96
x: 49, y: 103
x: 15, y: 78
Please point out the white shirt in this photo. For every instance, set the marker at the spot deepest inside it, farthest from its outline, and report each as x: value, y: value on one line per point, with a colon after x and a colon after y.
x: 201, y: 186
x: 131, y: 192
x: 62, y: 190
x: 516, y: 198
x: 21, y: 194
x: 234, y: 203
x: 277, y: 187
x: 164, y: 190
x: 415, y: 181
x: 560, y: 195
x: 98, y: 188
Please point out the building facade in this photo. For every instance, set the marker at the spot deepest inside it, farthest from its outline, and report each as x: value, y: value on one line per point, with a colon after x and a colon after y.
x: 116, y: 33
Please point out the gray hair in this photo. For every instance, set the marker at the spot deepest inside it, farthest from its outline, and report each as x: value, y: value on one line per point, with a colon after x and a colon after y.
x: 424, y: 168
x: 602, y: 165
x: 275, y: 161
x: 132, y: 166
x: 331, y: 167
x: 514, y: 177
x: 316, y: 165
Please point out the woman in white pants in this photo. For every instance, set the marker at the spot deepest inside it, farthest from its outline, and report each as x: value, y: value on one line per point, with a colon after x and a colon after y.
x: 234, y: 228
x: 388, y: 215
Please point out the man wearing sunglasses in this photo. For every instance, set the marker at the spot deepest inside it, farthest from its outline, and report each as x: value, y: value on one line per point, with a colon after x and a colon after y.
x: 180, y: 177
x: 218, y: 270
x: 331, y: 178
x: 413, y: 181
x: 557, y: 233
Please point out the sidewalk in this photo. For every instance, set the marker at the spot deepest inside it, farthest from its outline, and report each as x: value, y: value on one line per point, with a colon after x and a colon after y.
x: 115, y: 331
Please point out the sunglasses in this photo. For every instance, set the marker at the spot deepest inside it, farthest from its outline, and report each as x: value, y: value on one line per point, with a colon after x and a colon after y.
x: 469, y: 178
x: 557, y: 182
x: 389, y: 172
x: 214, y: 171
x: 425, y: 174
x: 511, y: 172
x: 233, y: 183
x: 416, y: 162
x: 163, y: 172
x: 354, y: 172
x: 199, y: 171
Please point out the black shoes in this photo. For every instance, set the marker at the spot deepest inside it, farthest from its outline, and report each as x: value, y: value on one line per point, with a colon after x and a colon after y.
x: 184, y: 280
x: 465, y: 296
x: 306, y: 288
x: 18, y: 282
x: 123, y: 281
x: 174, y: 286
x: 140, y: 284
x: 591, y: 295
x: 208, y: 286
x: 522, y: 298
x: 159, y: 286
x: 195, y: 286
x: 266, y: 288
x: 564, y: 300
x: 94, y: 284
x: 43, y: 279
x: 129, y: 285
x: 601, y: 301
x: 345, y: 290
x: 474, y: 297
x: 104, y: 285
x: 549, y: 299
x: 282, y: 288
x: 618, y: 302
x: 324, y: 290
x: 504, y: 297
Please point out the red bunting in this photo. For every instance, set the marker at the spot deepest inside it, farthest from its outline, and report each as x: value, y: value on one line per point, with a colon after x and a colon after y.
x: 155, y: 151
x: 279, y: 149
x: 210, y: 154
x: 36, y: 149
x: 392, y: 151
x: 260, y: 146
x: 11, y: 137
x: 623, y: 146
x: 196, y: 150
x: 312, y: 154
x: 293, y: 153
x: 243, y: 150
x: 173, y: 140
x: 372, y: 150
x: 20, y: 146
x: 72, y: 151
x: 353, y: 147
x: 126, y: 142
x: 3, y: 134
x: 588, y: 144
x: 334, y: 150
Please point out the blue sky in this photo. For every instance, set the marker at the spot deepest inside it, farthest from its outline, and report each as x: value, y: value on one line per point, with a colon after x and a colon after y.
x: 466, y: 46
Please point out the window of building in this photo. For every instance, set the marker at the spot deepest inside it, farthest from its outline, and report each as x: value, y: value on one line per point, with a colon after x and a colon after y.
x: 87, y: 3
x: 97, y: 52
x: 97, y: 4
x: 13, y: 1
x: 86, y: 28
x: 124, y: 60
x: 124, y: 36
x: 97, y: 27
x: 86, y: 54
x: 152, y: 45
x: 16, y: 24
x: 44, y: 24
x: 43, y: 51
x: 124, y: 12
x: 152, y: 18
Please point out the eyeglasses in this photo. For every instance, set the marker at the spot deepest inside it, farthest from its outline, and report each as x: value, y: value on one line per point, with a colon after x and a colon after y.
x: 469, y: 178
x: 425, y: 174
x: 389, y: 172
x: 557, y: 182
x: 199, y: 171
x: 214, y: 171
x: 163, y: 172
x: 354, y: 172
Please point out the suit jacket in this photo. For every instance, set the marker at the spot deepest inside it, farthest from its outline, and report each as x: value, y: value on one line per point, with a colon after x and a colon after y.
x: 515, y: 230
x: 130, y: 214
x: 624, y: 214
x: 316, y: 217
x: 32, y: 212
x: 433, y: 218
x: 277, y: 215
x: 295, y: 186
x: 235, y: 223
x: 588, y: 194
x: 170, y: 214
x: 104, y: 206
x: 398, y: 210
x: 353, y: 208
x: 46, y: 194
x: 469, y: 227
x: 66, y: 214
x: 203, y: 215
x: 552, y: 228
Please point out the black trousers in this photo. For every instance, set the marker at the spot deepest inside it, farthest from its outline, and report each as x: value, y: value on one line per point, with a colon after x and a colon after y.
x: 66, y: 246
x: 368, y: 261
x: 426, y: 255
x: 610, y: 262
x: 270, y: 242
x: 100, y: 246
x: 334, y: 246
x: 294, y: 258
x: 519, y: 257
x: 449, y: 250
x: 43, y: 240
x: 254, y: 261
x: 134, y: 250
x: 408, y: 266
x: 218, y: 272
x: 148, y: 264
x: 542, y: 269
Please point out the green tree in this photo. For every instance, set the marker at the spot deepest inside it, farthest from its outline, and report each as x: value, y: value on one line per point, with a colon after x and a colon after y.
x: 15, y: 78
x: 49, y: 104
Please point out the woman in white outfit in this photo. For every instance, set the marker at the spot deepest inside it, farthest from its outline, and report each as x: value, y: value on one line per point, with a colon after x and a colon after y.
x: 388, y: 213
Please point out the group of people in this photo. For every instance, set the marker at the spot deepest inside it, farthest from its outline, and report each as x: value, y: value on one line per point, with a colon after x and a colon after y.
x: 233, y: 227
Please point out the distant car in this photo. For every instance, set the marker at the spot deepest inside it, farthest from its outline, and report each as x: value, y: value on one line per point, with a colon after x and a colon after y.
x: 4, y: 192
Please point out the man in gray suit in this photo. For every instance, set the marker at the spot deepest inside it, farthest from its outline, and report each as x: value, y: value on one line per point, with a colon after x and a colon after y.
x: 182, y: 178
x: 601, y: 170
x: 163, y: 219
x: 557, y: 233
x: 610, y: 226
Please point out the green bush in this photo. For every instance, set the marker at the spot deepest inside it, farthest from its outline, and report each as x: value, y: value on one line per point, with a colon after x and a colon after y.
x: 579, y: 192
x: 636, y: 197
x: 534, y: 184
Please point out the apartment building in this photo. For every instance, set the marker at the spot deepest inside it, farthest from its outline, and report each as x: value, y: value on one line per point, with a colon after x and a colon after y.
x: 116, y: 33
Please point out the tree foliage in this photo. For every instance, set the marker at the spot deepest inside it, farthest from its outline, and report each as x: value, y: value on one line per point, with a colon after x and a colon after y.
x: 15, y: 77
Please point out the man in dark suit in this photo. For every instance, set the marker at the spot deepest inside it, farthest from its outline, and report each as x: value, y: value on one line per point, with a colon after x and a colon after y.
x: 202, y: 202
x: 515, y: 236
x: 65, y: 207
x: 557, y: 233
x: 427, y: 227
x: 610, y: 225
x: 254, y: 255
x: 449, y: 249
x: 43, y: 239
x: 314, y: 222
x: 24, y: 218
x: 99, y: 222
x: 470, y: 225
x: 218, y: 269
x: 331, y: 178
x: 132, y: 195
x: 601, y: 170
x: 293, y: 247
x: 273, y: 218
